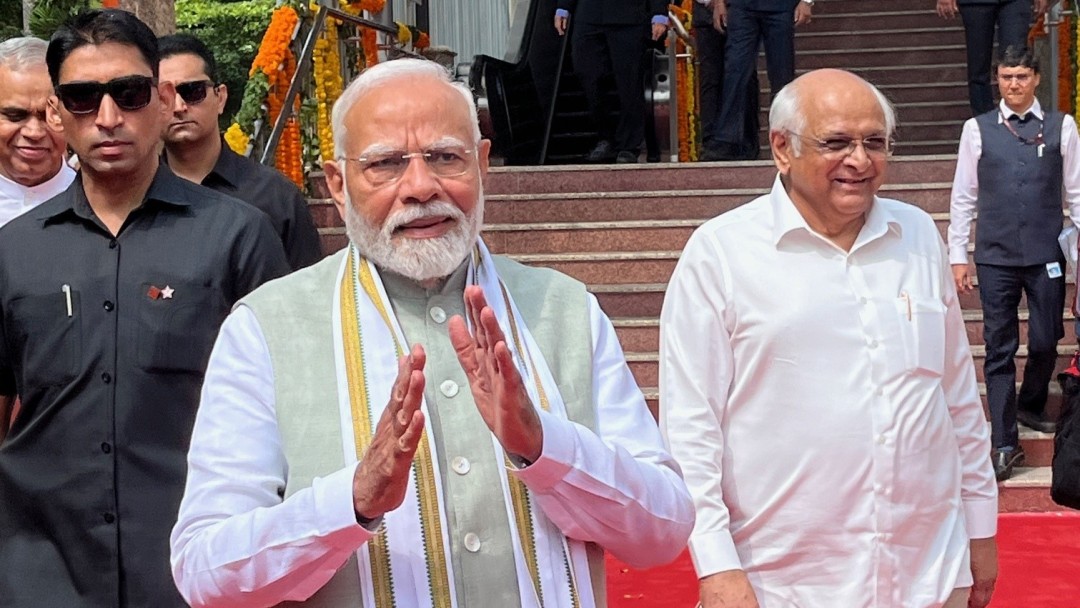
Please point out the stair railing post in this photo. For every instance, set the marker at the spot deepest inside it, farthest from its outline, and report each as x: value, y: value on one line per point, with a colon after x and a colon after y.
x: 673, y: 100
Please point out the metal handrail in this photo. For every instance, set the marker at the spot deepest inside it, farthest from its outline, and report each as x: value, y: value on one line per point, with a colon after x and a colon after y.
x: 303, y: 64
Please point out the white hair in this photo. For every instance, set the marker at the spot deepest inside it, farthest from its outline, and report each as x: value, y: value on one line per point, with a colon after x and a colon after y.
x: 786, y: 114
x: 17, y: 54
x: 405, y: 69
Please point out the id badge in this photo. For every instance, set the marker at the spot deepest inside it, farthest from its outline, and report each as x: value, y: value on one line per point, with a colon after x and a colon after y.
x: 1053, y: 270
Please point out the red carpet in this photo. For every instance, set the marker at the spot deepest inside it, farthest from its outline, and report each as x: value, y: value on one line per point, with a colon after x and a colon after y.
x: 1038, y: 555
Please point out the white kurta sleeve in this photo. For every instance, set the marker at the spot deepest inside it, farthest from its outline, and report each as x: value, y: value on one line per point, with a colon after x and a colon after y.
x: 965, y: 192
x: 978, y: 487
x: 237, y: 543
x: 618, y: 487
x: 696, y: 370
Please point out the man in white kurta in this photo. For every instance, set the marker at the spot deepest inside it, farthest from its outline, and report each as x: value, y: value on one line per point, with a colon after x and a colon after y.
x: 414, y: 422
x: 32, y: 167
x: 817, y: 386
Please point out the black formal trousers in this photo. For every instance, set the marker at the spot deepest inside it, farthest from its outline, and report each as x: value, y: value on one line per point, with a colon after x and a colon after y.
x: 619, y: 50
x: 746, y: 29
x: 1000, y: 288
x: 1012, y: 19
x: 710, y: 53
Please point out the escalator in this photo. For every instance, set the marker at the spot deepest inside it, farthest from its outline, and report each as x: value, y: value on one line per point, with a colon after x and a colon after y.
x: 532, y: 107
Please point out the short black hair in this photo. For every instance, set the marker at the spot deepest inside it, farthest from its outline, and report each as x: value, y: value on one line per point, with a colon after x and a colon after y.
x: 1017, y: 57
x: 181, y: 44
x: 97, y: 27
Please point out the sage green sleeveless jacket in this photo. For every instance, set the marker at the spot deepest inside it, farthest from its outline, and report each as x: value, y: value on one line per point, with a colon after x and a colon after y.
x: 295, y: 314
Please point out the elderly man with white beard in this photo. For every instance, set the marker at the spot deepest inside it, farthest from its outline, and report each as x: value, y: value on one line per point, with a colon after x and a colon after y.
x: 415, y: 422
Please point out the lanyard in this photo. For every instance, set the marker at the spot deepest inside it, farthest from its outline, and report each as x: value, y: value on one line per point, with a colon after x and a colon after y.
x: 1036, y: 141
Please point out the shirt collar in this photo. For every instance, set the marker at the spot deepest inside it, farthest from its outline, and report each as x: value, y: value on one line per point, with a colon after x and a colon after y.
x: 165, y: 188
x: 229, y: 166
x: 787, y: 219
x: 1006, y: 111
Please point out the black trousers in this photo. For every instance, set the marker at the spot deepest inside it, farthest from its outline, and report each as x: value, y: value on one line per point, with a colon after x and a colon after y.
x: 710, y: 52
x: 1012, y: 18
x: 1000, y: 288
x: 746, y: 30
x: 619, y: 50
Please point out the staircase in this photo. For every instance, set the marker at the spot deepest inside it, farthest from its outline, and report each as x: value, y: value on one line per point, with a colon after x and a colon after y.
x: 916, y: 58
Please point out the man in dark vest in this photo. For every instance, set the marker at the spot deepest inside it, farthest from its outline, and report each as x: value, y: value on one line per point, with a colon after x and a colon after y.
x: 1012, y: 18
x: 1015, y: 164
x: 610, y: 37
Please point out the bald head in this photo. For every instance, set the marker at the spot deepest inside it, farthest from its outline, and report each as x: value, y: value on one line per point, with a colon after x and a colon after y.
x: 825, y: 90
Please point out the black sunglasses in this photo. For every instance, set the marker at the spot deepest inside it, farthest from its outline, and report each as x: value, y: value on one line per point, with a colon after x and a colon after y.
x: 128, y: 92
x: 195, y: 91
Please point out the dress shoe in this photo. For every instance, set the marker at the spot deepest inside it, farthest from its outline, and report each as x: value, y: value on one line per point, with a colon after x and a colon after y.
x: 719, y: 152
x: 626, y: 157
x: 1036, y: 421
x: 1005, y: 460
x: 601, y: 153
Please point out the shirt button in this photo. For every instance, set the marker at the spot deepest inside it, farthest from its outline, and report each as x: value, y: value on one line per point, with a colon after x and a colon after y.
x: 108, y: 306
x: 105, y: 377
x: 460, y: 465
x: 449, y: 388
x: 437, y: 314
x: 472, y: 542
x: 873, y: 343
x: 862, y: 300
x: 106, y: 447
x: 881, y: 392
x: 109, y: 518
x: 112, y: 244
x: 881, y: 439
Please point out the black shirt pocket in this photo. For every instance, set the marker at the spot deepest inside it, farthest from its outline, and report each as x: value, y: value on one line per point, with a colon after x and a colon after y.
x: 48, y: 337
x: 177, y: 326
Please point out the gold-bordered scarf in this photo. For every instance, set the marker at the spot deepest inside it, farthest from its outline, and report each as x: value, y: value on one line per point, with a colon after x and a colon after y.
x: 369, y: 342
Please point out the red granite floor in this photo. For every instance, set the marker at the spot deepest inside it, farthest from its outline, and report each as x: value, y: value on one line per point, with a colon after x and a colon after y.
x: 1038, y: 556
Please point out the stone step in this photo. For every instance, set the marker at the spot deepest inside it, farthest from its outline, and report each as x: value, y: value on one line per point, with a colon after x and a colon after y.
x: 947, y: 92
x: 857, y: 41
x: 659, y: 205
x: 882, y: 75
x: 950, y: 52
x: 684, y: 176
x: 829, y: 19
x: 1027, y: 491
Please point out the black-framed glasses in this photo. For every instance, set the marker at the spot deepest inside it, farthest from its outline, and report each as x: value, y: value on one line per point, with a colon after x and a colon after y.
x: 841, y: 146
x: 385, y: 167
x: 128, y: 92
x: 194, y: 92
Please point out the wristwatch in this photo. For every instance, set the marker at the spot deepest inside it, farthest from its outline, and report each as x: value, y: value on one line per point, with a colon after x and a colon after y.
x: 808, y: 2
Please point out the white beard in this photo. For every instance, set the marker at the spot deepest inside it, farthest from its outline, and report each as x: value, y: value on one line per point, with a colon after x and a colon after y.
x: 417, y: 259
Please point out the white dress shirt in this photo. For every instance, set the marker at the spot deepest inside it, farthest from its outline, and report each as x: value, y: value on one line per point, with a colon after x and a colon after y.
x: 16, y: 199
x: 236, y: 541
x: 823, y: 407
x: 965, y: 190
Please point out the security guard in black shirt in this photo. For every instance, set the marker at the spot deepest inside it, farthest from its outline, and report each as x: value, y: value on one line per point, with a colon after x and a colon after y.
x: 111, y: 295
x: 194, y: 150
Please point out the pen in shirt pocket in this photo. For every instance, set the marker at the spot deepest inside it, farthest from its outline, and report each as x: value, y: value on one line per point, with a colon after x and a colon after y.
x: 907, y: 301
x: 67, y: 296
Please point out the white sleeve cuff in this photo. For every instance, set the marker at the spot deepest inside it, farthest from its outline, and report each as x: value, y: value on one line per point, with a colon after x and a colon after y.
x: 556, y: 455
x: 333, y: 500
x: 714, y: 552
x: 958, y: 255
x: 981, y: 516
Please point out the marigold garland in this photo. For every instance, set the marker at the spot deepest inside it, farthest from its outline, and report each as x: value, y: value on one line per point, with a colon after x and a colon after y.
x: 1066, y: 72
x: 328, y: 85
x: 287, y: 157
x: 686, y: 88
x: 370, y: 43
x: 238, y: 140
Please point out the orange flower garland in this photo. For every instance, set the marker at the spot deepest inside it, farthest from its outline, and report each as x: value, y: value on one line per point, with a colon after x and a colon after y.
x: 686, y: 89
x: 1066, y: 76
x: 370, y: 43
x: 287, y: 157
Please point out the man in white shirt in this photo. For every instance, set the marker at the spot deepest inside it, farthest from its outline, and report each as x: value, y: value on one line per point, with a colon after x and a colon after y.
x: 32, y: 168
x: 816, y: 382
x: 1016, y: 165
x: 514, y: 444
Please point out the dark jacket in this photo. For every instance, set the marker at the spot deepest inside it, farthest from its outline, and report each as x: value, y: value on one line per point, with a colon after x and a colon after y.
x: 614, y: 12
